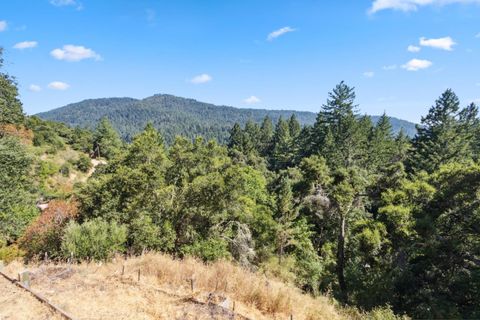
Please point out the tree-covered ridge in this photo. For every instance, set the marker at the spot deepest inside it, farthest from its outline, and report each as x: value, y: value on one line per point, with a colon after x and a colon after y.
x: 177, y: 116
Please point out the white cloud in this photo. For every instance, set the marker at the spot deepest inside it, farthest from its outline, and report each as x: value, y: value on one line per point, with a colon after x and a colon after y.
x: 445, y: 43
x: 201, y: 78
x: 279, y: 32
x: 251, y: 100
x: 74, y: 53
x: 3, y: 25
x: 25, y: 45
x: 417, y: 64
x: 58, y: 85
x: 390, y: 67
x: 34, y: 88
x: 413, y: 48
x: 368, y: 74
x: 62, y: 3
x: 411, y: 5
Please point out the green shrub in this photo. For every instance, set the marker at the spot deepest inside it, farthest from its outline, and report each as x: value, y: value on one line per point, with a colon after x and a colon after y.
x: 95, y: 239
x: 47, y: 168
x: 84, y: 164
x: 15, y: 220
x: 65, y: 169
x: 10, y: 253
x: 208, y: 250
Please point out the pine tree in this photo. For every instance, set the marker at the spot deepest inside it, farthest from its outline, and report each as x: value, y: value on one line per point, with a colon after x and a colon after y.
x: 265, y: 137
x: 286, y: 214
x: 338, y: 134
x: 441, y: 137
x: 381, y: 144
x: 106, y: 142
x: 282, y: 153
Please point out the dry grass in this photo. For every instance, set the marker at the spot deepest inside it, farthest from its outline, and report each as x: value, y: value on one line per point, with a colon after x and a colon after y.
x: 15, y: 303
x: 93, y: 291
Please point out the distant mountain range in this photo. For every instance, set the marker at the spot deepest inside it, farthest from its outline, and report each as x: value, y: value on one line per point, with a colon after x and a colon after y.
x: 176, y: 116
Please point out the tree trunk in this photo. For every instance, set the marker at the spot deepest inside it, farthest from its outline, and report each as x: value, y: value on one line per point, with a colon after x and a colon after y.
x: 341, y: 261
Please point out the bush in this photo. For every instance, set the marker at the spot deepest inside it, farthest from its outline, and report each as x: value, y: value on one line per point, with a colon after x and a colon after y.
x: 10, y: 253
x: 95, y: 239
x: 84, y: 164
x: 14, y: 221
x: 208, y: 250
x: 45, y: 233
x: 65, y: 169
x: 144, y: 234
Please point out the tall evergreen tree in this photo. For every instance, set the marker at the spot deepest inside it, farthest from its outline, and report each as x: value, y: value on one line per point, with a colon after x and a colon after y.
x: 266, y: 136
x: 337, y: 133
x: 282, y: 153
x: 441, y: 137
x: 381, y: 144
x: 106, y: 142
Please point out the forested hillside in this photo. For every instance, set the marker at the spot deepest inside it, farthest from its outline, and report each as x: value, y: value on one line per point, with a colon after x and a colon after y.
x: 380, y: 221
x: 177, y: 116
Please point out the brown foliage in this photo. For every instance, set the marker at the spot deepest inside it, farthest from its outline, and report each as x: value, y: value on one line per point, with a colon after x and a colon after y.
x: 45, y: 233
x: 24, y: 134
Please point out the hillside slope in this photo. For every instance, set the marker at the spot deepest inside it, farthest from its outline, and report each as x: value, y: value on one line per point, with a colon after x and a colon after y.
x: 176, y: 116
x: 164, y: 291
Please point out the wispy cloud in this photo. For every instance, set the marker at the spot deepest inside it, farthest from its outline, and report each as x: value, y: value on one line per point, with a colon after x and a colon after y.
x: 151, y: 16
x: 58, y: 85
x: 445, y: 43
x: 64, y: 3
x: 251, y: 100
x: 201, y: 78
x: 280, y: 32
x: 74, y: 53
x: 390, y: 67
x: 34, y: 88
x: 25, y: 45
x: 411, y: 5
x: 417, y: 64
x: 368, y: 74
x: 477, y: 35
x: 3, y: 25
x: 412, y: 48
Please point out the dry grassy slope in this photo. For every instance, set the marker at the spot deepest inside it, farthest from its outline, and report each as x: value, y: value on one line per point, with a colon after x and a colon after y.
x: 15, y: 303
x: 100, y: 291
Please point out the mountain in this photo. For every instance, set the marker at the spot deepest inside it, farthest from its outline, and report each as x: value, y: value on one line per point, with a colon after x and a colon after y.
x: 176, y: 116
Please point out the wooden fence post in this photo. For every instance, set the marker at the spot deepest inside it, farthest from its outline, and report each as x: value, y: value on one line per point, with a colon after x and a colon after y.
x: 24, y: 278
x: 192, y: 284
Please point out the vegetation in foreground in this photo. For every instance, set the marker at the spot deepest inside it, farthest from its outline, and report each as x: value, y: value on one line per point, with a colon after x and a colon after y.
x: 343, y: 206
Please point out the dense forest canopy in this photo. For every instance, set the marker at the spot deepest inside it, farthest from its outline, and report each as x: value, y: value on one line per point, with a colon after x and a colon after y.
x: 344, y: 205
x: 174, y: 116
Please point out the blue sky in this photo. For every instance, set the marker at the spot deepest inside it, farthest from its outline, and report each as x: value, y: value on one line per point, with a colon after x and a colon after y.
x: 399, y: 54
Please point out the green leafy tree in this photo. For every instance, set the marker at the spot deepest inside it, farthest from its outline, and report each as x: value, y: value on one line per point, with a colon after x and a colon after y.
x: 11, y: 111
x: 17, y: 207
